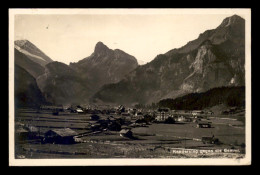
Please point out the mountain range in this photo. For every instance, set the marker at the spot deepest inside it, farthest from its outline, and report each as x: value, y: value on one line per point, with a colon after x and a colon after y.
x: 75, y: 83
x: 216, y: 58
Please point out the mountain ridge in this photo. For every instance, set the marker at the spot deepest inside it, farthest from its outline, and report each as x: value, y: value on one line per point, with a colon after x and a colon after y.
x: 77, y: 82
x: 30, y: 66
x: 32, y: 52
x: 105, y: 66
x: 215, y: 58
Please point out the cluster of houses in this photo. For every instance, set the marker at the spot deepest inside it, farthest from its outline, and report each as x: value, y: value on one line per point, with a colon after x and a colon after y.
x: 129, y: 114
x: 90, y: 109
x: 117, y: 118
x: 199, y: 117
x: 181, y: 116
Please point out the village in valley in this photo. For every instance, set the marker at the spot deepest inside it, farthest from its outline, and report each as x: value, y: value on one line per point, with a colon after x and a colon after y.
x: 89, y: 99
x: 110, y: 132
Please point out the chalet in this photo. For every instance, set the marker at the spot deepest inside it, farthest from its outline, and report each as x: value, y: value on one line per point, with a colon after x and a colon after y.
x: 162, y: 114
x: 126, y: 133
x: 120, y: 109
x: 132, y: 111
x: 60, y: 136
x: 203, y: 125
x: 79, y: 111
x: 197, y: 112
x: 75, y: 109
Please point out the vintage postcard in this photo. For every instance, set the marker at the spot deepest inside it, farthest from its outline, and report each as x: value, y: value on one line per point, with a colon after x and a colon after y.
x: 129, y: 87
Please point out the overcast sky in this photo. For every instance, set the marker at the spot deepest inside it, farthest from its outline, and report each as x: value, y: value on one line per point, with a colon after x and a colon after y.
x: 70, y: 38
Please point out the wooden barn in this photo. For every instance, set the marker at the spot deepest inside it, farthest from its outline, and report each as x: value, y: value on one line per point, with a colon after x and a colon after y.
x: 61, y: 136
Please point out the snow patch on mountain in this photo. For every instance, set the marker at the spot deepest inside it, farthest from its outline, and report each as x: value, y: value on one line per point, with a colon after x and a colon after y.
x: 28, y: 53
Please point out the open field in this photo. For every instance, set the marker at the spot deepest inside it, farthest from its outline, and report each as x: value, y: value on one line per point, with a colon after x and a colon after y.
x: 157, y: 140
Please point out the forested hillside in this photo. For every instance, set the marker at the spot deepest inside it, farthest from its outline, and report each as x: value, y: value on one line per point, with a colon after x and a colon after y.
x: 230, y: 96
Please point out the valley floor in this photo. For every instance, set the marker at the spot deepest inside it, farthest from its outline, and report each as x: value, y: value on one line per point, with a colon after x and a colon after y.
x: 157, y: 140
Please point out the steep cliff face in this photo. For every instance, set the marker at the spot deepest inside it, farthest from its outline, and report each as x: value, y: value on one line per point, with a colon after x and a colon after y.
x: 216, y: 58
x: 105, y: 66
x: 211, y: 70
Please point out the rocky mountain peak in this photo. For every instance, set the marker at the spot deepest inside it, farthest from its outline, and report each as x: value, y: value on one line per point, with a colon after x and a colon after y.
x: 104, y: 66
x: 101, y: 48
x: 20, y: 43
x: 26, y: 44
x: 33, y: 52
x: 232, y: 20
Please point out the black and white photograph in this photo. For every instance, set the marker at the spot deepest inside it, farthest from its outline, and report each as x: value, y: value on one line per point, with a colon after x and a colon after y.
x: 129, y: 87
